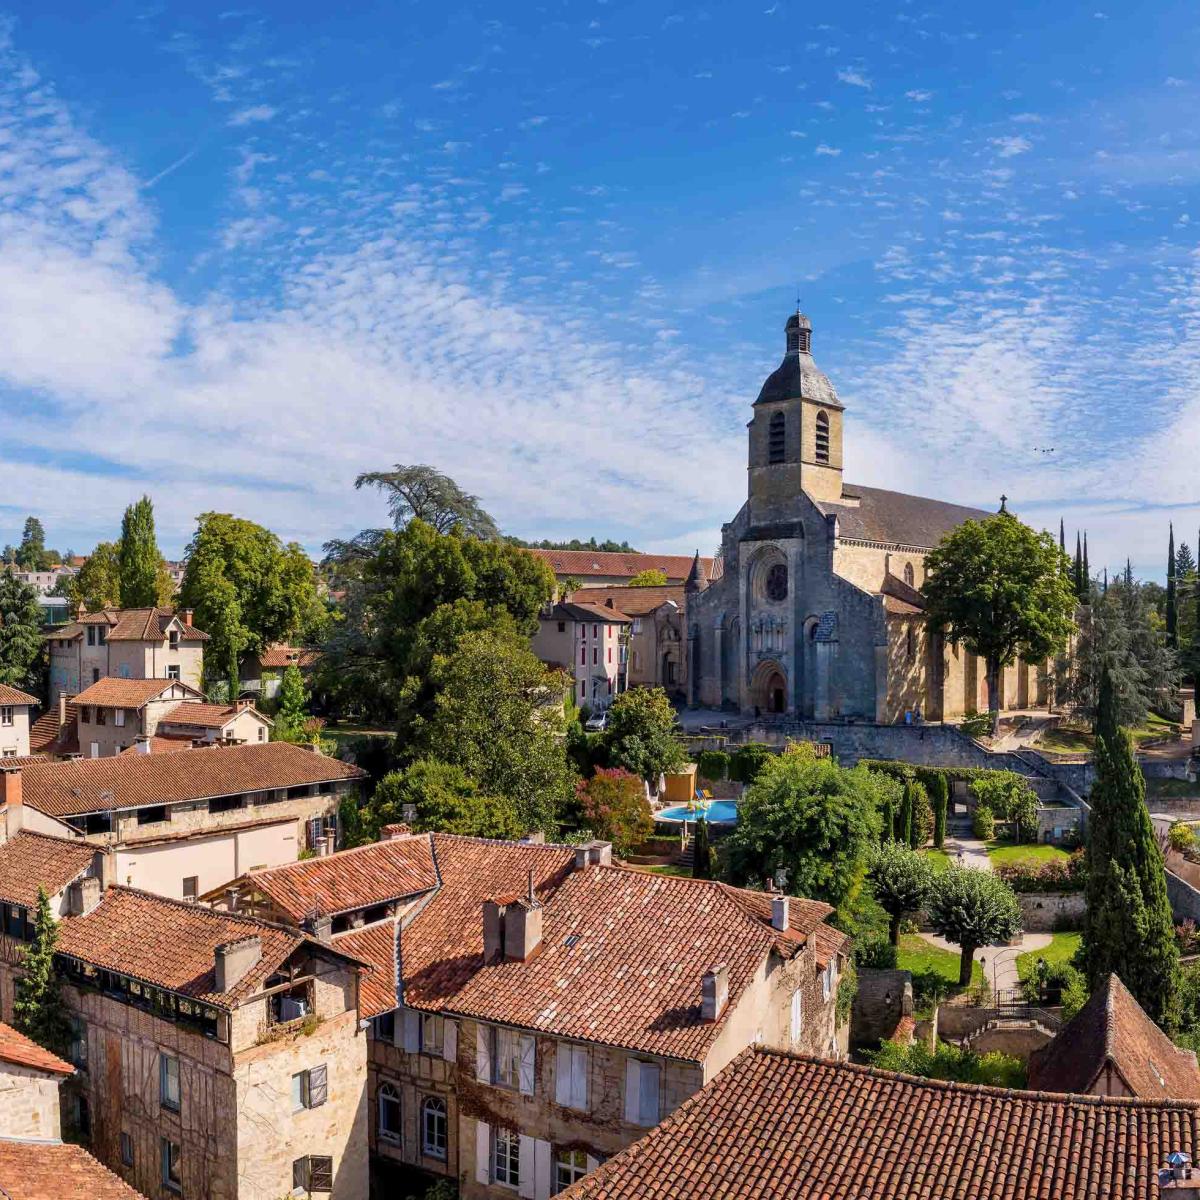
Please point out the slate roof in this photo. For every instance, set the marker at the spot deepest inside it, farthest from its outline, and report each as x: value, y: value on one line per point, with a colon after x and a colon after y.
x: 20, y: 1051
x: 374, y: 945
x: 10, y: 695
x: 57, y: 1171
x: 352, y: 879
x: 62, y: 789
x: 896, y: 518
x: 29, y: 860
x: 131, y: 625
x: 632, y: 601
x: 171, y: 944
x: 576, y: 611
x: 798, y: 375
x: 587, y: 563
x: 1113, y: 1029
x: 775, y: 1126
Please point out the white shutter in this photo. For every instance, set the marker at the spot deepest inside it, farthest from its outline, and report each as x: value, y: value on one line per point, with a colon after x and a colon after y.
x: 633, y: 1074
x: 412, y: 1030
x: 483, y: 1054
x: 450, y: 1041
x: 562, y: 1074
x: 525, y: 1169
x: 483, y: 1152
x: 579, y: 1079
x: 527, y: 1065
x: 648, y: 1102
x: 542, y: 1170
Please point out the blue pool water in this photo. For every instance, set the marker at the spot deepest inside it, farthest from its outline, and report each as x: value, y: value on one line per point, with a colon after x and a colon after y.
x: 720, y: 812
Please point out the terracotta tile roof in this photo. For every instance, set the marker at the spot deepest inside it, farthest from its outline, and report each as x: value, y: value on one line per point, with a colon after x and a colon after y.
x: 47, y: 736
x: 172, y: 944
x: 774, y: 1126
x: 281, y: 655
x: 584, y: 564
x: 57, y: 1171
x: 205, y: 716
x: 131, y: 625
x: 376, y: 946
x: 574, y: 611
x: 160, y: 743
x: 10, y: 695
x: 897, y: 518
x: 623, y: 952
x: 113, y: 692
x: 350, y: 879
x: 632, y: 601
x: 21, y: 1051
x: 132, y: 780
x: 29, y: 860
x: 1112, y: 1029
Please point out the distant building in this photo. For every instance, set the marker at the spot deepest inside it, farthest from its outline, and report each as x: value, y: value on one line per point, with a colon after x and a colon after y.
x: 263, y: 673
x: 598, y: 568
x: 587, y: 641
x: 15, y: 709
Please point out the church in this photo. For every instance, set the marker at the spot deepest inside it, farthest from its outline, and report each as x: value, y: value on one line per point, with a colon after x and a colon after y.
x: 818, y: 612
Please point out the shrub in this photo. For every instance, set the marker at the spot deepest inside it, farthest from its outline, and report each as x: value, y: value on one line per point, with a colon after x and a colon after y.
x: 1056, y: 981
x: 614, y: 804
x: 947, y: 1061
x: 1181, y: 836
x: 983, y: 824
x: 1010, y: 798
x: 976, y: 724
x: 1188, y: 937
x: 1069, y: 876
x: 875, y: 951
x: 712, y: 764
x: 747, y: 761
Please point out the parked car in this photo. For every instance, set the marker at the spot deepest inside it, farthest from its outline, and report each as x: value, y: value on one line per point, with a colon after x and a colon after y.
x: 597, y: 722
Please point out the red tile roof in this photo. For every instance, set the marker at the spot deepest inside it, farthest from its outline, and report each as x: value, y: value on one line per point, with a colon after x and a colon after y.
x: 351, y: 879
x: 775, y: 1126
x: 29, y: 860
x: 281, y: 655
x: 160, y: 743
x: 632, y: 601
x: 132, y: 780
x: 47, y: 736
x: 10, y: 695
x: 1113, y: 1030
x: 21, y: 1051
x: 584, y: 564
x: 57, y: 1171
x: 131, y: 625
x: 205, y: 716
x: 114, y: 692
x: 376, y: 946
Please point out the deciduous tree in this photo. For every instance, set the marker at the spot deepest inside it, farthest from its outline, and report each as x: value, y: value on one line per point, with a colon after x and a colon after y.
x: 444, y: 798
x: 649, y: 578
x: 972, y: 909
x: 901, y: 879
x: 97, y: 584
x: 422, y: 493
x: 613, y: 805
x: 138, y: 558
x: 641, y: 733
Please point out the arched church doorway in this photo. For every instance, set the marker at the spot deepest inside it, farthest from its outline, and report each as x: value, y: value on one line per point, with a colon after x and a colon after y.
x: 768, y: 689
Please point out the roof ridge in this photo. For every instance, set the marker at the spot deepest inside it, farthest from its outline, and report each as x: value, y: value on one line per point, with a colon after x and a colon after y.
x: 188, y: 906
x: 52, y: 837
x: 338, y: 854
x: 467, y: 837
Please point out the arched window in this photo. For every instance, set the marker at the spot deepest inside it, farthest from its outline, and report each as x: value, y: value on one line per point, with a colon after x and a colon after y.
x: 909, y: 575
x: 776, y: 439
x: 389, y: 1113
x: 433, y: 1127
x: 777, y: 582
x: 822, y: 437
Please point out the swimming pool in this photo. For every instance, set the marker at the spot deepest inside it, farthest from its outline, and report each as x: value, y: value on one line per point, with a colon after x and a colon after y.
x: 719, y: 812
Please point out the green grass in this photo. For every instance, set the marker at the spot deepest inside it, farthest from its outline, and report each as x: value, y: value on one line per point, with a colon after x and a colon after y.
x: 668, y: 869
x: 1008, y: 854
x: 939, y: 859
x: 1079, y: 739
x: 929, y: 963
x: 1061, y: 949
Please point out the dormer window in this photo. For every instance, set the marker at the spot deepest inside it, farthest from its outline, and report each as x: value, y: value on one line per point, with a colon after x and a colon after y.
x: 173, y: 639
x: 822, y: 437
x: 776, y: 439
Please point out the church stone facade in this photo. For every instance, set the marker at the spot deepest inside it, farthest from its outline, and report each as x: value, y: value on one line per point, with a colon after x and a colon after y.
x: 818, y: 613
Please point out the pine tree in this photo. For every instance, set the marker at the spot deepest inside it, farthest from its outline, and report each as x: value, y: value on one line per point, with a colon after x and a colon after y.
x: 1172, y: 613
x: 1128, y: 926
x: 1185, y: 564
x: 21, y: 641
x: 138, y: 556
x: 38, y: 1010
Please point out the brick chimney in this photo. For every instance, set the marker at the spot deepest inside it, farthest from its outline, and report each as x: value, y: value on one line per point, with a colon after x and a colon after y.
x: 780, y: 912
x: 12, y: 799
x: 714, y: 992
x: 186, y: 617
x: 394, y: 833
x: 523, y: 925
x: 83, y: 896
x: 234, y: 960
x: 593, y: 854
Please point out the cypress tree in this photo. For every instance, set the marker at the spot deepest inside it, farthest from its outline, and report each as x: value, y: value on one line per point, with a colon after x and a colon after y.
x: 1128, y: 926
x: 939, y: 793
x: 1062, y: 535
x: 1128, y: 573
x: 1172, y: 613
x: 1106, y: 581
x: 905, y: 832
x: 702, y: 854
x: 38, y: 1010
x: 1087, y: 571
x: 138, y: 556
x: 888, y: 832
x: 1078, y: 566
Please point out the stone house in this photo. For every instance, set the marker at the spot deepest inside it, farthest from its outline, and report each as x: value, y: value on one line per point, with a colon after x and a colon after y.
x: 538, y: 1008
x: 180, y: 824
x: 113, y: 712
x: 600, y: 568
x: 263, y: 673
x: 15, y: 707
x: 130, y: 643
x: 29, y: 1079
x: 587, y: 641
x: 818, y: 613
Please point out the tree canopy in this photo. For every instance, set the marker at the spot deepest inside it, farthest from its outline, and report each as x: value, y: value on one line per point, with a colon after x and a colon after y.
x: 38, y: 1010
x: 97, y: 583
x: 138, y: 557
x: 613, y: 804
x: 444, y: 799
x: 608, y: 546
x: 650, y: 577
x: 31, y: 554
x: 901, y: 880
x: 972, y: 908
x: 641, y: 734
x: 422, y: 493
x: 20, y: 635
x: 1001, y: 590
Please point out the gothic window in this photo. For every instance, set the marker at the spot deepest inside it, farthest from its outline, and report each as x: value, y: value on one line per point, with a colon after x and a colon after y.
x: 776, y: 439
x: 909, y: 574
x: 777, y: 582
x: 822, y: 437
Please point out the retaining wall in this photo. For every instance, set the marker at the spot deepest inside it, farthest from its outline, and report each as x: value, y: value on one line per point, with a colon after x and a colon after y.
x: 1044, y: 912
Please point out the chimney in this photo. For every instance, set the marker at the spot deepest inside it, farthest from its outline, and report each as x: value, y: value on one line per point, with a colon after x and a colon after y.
x: 322, y: 928
x: 523, y: 925
x: 12, y: 799
x: 714, y: 992
x: 1179, y: 1180
x: 493, y: 930
x: 80, y: 611
x: 83, y: 896
x: 62, y: 708
x: 186, y: 615
x: 141, y: 744
x: 394, y: 833
x: 780, y: 912
x: 593, y: 854
x: 234, y: 960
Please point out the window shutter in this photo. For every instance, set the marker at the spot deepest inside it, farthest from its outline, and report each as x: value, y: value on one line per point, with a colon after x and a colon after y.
x: 483, y: 1152
x: 648, y: 1101
x: 412, y: 1030
x: 633, y: 1071
x: 299, y: 1171
x: 579, y: 1079
x: 525, y: 1169
x: 592, y: 1163
x: 320, y: 1173
x: 562, y: 1074
x: 450, y: 1042
x: 483, y: 1054
x: 542, y: 1170
x: 318, y: 1086
x: 527, y: 1064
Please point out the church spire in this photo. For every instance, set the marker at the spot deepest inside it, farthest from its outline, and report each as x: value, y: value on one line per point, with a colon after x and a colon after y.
x: 695, y: 581
x: 799, y: 333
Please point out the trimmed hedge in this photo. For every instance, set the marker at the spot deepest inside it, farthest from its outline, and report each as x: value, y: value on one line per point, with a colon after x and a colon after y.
x: 712, y: 764
x: 906, y: 771
x: 747, y: 761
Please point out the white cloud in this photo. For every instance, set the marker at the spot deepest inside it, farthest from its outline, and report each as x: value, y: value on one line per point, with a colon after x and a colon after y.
x: 831, y: 151
x: 918, y: 97
x: 1009, y: 147
x: 854, y: 78
x: 253, y: 115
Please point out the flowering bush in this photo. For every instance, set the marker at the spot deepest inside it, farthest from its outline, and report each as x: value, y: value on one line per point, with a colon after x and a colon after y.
x: 614, y: 804
x: 1056, y: 876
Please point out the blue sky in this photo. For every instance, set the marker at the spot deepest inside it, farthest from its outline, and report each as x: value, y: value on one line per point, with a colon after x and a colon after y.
x: 246, y: 254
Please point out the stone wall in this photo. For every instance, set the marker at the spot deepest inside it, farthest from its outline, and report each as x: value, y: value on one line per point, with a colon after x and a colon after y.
x: 883, y: 997
x: 29, y: 1103
x: 1184, y: 898
x: 1044, y: 912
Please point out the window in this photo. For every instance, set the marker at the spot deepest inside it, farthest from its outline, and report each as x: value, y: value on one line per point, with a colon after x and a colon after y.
x: 583, y: 656
x: 909, y: 574
x: 168, y: 1082
x: 262, y: 733
x: 173, y: 671
x: 95, y: 674
x: 513, y: 1060
x: 562, y: 627
x: 804, y: 341
x: 191, y: 888
x: 569, y: 1167
x: 151, y: 815
x: 822, y: 437
x: 433, y: 1127
x: 119, y: 717
x: 608, y: 631
x: 310, y: 1089
x: 83, y: 1118
x: 595, y: 631
x: 389, y: 1113
x: 385, y: 1027
x: 173, y: 639
x: 641, y: 1093
x: 506, y: 1157
x: 637, y: 625
x: 313, y: 1173
x: 433, y: 1033
x: 6, y: 715
x: 220, y: 804
x: 595, y: 655
x: 101, y: 715
x: 126, y: 672
x: 571, y: 1077
x: 827, y: 978
x: 797, y: 1016
x: 610, y: 654
x: 777, y: 439
x: 91, y: 635
x: 101, y: 635
x: 172, y: 1179
x: 777, y: 582
x: 126, y: 1150
x: 78, y: 1053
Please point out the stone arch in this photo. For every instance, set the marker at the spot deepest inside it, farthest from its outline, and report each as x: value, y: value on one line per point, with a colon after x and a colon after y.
x: 768, y: 576
x: 768, y: 687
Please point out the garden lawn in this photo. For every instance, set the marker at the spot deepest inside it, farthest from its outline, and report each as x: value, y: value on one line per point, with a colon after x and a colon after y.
x: 668, y: 869
x: 1010, y: 854
x: 1061, y: 950
x: 939, y: 859
x: 1080, y: 739
x: 928, y: 962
